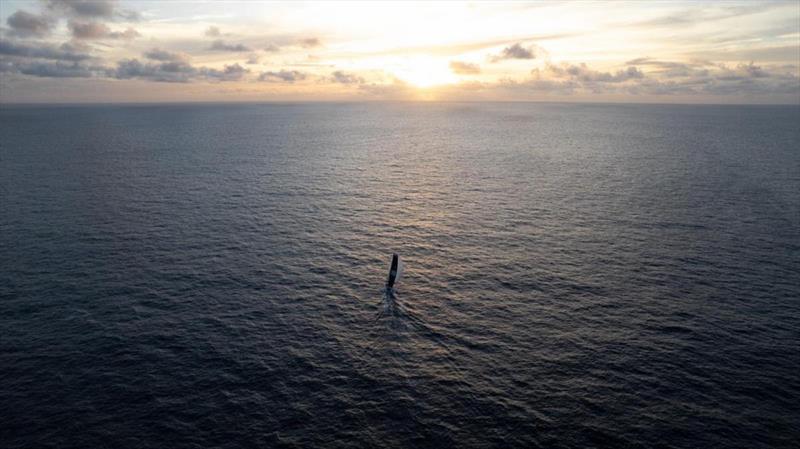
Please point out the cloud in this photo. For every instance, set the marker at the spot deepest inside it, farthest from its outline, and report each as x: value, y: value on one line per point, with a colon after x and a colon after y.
x: 448, y: 50
x: 567, y: 79
x: 233, y: 72
x: 25, y: 24
x: 689, y: 17
x: 84, y: 8
x: 752, y: 70
x: 252, y: 59
x: 221, y: 45
x: 88, y: 30
x: 657, y: 63
x: 97, y: 30
x: 174, y: 71
x: 287, y: 76
x: 310, y: 42
x: 272, y: 48
x: 701, y: 68
x: 740, y: 72
x: 345, y: 78
x: 129, y: 15
x: 516, y: 51
x: 667, y: 78
x: 48, y: 69
x: 76, y: 47
x: 92, y: 9
x: 396, y: 90
x: 157, y: 54
x: 584, y: 74
x: 213, y: 31
x: 66, y: 52
x: 672, y: 69
x: 171, y: 72
x: 464, y: 68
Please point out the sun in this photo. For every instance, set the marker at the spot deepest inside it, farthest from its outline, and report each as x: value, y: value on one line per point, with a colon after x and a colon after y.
x: 426, y: 72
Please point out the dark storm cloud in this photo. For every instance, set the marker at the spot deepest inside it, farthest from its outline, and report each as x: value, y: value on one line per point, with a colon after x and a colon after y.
x: 345, y: 78
x: 286, y: 76
x: 97, y: 30
x: 25, y: 24
x: 464, y: 68
x: 66, y: 52
x: 516, y: 51
x: 221, y: 45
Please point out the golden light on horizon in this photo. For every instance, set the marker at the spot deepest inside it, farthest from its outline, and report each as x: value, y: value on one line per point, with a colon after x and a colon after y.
x: 425, y: 72
x: 599, y: 51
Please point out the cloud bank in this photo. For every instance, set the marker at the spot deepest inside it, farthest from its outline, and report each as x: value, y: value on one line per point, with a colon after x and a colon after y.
x: 102, y: 40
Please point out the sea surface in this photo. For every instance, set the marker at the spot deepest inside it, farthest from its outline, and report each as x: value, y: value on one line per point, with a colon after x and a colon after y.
x: 576, y: 276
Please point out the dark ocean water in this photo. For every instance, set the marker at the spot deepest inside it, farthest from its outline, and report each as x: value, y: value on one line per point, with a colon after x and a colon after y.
x: 576, y: 276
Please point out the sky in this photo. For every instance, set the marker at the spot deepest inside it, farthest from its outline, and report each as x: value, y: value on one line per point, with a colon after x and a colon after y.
x: 65, y: 51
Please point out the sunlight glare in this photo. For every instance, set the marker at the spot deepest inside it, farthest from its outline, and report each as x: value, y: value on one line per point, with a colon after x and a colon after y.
x: 426, y: 72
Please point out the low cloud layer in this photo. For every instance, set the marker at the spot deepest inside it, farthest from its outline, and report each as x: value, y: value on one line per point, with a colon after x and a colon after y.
x: 343, y: 77
x: 284, y: 76
x: 64, y: 52
x: 157, y: 54
x: 584, y: 74
x: 668, y: 78
x: 50, y: 69
x: 464, y: 68
x: 221, y: 45
x: 174, y: 71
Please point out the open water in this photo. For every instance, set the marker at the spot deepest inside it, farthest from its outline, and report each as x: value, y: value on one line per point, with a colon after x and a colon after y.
x: 576, y: 275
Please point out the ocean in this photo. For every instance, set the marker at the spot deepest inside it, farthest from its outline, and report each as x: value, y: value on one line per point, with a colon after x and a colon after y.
x: 576, y: 275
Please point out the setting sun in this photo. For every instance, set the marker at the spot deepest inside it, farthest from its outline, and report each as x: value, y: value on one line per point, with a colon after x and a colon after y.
x: 426, y: 72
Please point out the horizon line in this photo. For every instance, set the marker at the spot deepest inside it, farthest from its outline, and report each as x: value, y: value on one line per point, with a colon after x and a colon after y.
x: 377, y: 101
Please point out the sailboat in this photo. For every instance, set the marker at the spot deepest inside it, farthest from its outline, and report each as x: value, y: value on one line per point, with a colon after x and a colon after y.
x: 395, y: 271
